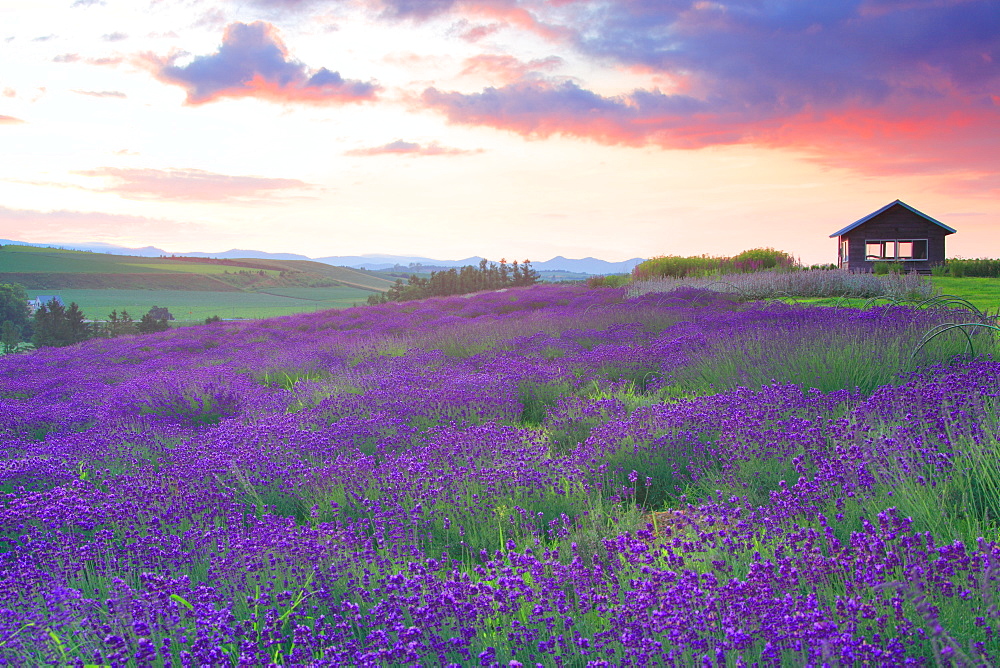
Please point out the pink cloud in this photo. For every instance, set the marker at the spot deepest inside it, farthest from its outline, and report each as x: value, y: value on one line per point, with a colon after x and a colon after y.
x: 9, y: 120
x: 253, y: 62
x: 188, y: 184
x: 475, y: 32
x: 507, y: 69
x: 903, y: 134
x: 400, y: 147
x: 27, y: 224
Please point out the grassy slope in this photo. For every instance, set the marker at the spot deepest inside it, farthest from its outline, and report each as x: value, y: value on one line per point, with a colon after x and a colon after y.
x: 78, y: 269
x: 192, y: 288
x: 48, y: 270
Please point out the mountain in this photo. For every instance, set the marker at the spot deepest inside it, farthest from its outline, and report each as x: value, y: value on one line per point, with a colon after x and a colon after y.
x: 371, y: 261
x: 236, y: 254
x: 588, y: 265
x: 94, y: 247
x: 374, y: 262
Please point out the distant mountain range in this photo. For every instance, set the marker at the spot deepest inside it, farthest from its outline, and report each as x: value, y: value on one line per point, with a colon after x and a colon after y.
x: 372, y: 262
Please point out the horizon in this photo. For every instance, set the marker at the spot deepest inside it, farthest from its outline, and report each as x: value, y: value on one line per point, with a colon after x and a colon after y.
x: 95, y: 247
x: 497, y: 128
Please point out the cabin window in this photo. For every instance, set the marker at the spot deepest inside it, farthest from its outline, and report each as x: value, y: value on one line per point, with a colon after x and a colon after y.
x: 895, y: 249
x: 845, y: 247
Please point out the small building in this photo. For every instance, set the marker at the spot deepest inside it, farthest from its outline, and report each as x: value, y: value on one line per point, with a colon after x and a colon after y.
x: 895, y: 233
x: 44, y: 300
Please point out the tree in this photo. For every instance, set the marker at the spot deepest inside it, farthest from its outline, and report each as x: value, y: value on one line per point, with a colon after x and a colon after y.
x: 14, y: 306
x: 55, y: 325
x: 119, y: 325
x: 10, y: 337
x: 148, y: 324
x: 162, y: 312
x: 76, y: 327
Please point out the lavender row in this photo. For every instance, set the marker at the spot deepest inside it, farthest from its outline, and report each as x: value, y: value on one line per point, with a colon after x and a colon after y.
x: 472, y: 481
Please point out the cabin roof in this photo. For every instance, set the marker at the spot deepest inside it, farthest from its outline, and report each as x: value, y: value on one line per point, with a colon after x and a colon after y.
x: 858, y: 223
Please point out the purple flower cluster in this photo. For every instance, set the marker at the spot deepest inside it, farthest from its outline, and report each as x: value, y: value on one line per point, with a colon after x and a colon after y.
x: 538, y: 476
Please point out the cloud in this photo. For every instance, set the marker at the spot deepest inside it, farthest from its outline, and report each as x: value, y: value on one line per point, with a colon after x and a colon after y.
x: 542, y: 109
x: 86, y: 3
x: 9, y: 120
x: 114, y: 37
x: 31, y: 224
x: 253, y: 62
x: 76, y: 58
x: 103, y: 93
x: 507, y: 69
x: 44, y: 38
x: 400, y: 147
x: 475, y: 32
x: 799, y: 75
x: 188, y: 184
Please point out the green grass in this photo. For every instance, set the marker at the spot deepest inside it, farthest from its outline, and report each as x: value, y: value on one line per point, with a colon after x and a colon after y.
x: 195, y: 306
x: 982, y: 292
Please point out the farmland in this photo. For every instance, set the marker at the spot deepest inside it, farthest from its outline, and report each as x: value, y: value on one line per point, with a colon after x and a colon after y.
x: 548, y: 475
x: 50, y: 268
x: 192, y: 288
x: 196, y: 305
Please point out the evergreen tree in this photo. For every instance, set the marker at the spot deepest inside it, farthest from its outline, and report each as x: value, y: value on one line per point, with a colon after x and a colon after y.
x: 76, y: 328
x: 148, y: 324
x: 119, y: 324
x: 488, y: 276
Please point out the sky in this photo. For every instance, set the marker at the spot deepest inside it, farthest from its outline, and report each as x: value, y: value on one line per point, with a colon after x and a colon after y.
x: 500, y: 128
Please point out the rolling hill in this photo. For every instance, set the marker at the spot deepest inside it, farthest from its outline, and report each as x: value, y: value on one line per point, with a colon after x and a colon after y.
x: 49, y: 268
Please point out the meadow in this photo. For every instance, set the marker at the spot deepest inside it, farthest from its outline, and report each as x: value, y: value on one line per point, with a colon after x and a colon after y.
x: 553, y: 475
x: 190, y: 306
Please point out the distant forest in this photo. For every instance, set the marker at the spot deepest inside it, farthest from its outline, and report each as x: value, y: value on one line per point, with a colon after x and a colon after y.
x: 487, y: 276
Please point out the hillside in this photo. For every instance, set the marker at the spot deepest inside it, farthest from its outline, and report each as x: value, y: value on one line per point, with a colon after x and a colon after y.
x: 48, y: 268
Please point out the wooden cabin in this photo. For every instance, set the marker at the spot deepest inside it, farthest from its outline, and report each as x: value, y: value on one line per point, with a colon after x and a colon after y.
x: 895, y: 233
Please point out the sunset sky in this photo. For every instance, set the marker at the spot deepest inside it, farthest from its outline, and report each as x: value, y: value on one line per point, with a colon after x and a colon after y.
x: 501, y: 128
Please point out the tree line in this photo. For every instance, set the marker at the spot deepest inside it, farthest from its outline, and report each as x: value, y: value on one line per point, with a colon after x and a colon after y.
x: 470, y: 278
x: 54, y: 324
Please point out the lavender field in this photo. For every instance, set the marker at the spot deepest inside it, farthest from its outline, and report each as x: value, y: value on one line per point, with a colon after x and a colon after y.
x: 549, y: 476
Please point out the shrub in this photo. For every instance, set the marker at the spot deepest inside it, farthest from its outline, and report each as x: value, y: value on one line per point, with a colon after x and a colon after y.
x: 755, y: 259
x: 977, y: 268
x: 612, y: 281
x: 764, y: 258
x: 805, y: 283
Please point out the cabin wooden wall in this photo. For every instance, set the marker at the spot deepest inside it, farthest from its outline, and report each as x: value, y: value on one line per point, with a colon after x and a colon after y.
x: 896, y: 223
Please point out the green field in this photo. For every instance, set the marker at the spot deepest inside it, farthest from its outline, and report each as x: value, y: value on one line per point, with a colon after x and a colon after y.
x: 50, y: 269
x: 982, y: 292
x: 195, y: 306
